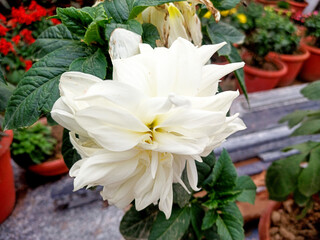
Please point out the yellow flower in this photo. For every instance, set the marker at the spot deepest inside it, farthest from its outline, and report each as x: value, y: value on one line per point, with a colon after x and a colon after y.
x: 232, y: 11
x: 224, y: 13
x: 242, y: 18
x: 207, y: 15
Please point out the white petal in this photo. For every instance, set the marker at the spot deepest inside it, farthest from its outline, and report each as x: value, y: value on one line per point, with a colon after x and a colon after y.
x: 123, y: 43
x: 206, y: 51
x: 192, y: 174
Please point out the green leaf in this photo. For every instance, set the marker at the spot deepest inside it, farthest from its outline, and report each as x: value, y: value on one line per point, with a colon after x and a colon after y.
x: 92, y: 34
x: 216, y: 38
x: 295, y: 117
x: 136, y: 225
x: 235, y: 57
x: 248, y: 188
x: 209, y: 219
x: 76, y: 20
x: 38, y: 90
x: 131, y: 25
x: 232, y: 209
x: 204, y: 168
x: 174, y: 227
x: 53, y: 38
x: 96, y: 64
x: 299, y: 198
x: 196, y: 215
x: 180, y: 195
x: 150, y: 34
x: 229, y: 227
x: 305, y: 147
x: 308, y: 127
x: 228, y: 32
x: 225, y: 4
x: 2, y: 80
x: 70, y: 155
x: 309, y: 179
x: 224, y: 174
x: 5, y: 93
x: 122, y: 10
x: 282, y: 176
x: 312, y: 91
x: 212, y: 233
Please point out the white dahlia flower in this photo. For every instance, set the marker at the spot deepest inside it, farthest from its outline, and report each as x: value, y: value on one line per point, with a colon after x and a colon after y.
x: 137, y: 133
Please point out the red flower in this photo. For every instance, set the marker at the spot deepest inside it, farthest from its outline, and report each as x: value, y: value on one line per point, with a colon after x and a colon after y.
x: 2, y: 18
x: 16, y: 39
x: 5, y: 47
x: 28, y: 64
x: 33, y: 5
x: 55, y: 21
x: 39, y: 13
x: 3, y: 30
x: 27, y: 36
x: 21, y: 16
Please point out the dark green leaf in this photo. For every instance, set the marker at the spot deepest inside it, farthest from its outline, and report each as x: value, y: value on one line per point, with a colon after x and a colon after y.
x: 299, y: 198
x: 76, y: 20
x: 122, y: 10
x: 5, y: 93
x: 224, y: 174
x: 232, y: 209
x: 226, y: 31
x: 197, y: 214
x: 131, y: 25
x: 312, y: 91
x: 216, y: 38
x: 309, y: 179
x: 70, y: 155
x: 38, y: 90
x: 308, y: 127
x: 204, y: 168
x: 174, y: 227
x: 53, y: 38
x: 305, y: 147
x: 295, y: 117
x: 96, y: 64
x: 2, y: 80
x: 248, y: 188
x: 209, y: 219
x: 150, y: 34
x: 229, y: 227
x: 212, y: 233
x: 180, y: 195
x: 136, y: 225
x: 282, y: 176
x: 225, y: 4
x: 92, y: 34
x: 235, y: 57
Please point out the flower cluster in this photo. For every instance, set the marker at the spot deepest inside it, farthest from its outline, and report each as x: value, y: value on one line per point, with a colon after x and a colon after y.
x: 17, y: 33
x: 137, y: 133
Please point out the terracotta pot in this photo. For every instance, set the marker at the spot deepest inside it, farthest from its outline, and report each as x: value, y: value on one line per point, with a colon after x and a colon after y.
x: 259, y: 80
x: 294, y: 64
x: 267, y: 3
x: 265, y: 220
x: 297, y: 7
x: 7, y: 189
x: 310, y: 70
x: 50, y: 168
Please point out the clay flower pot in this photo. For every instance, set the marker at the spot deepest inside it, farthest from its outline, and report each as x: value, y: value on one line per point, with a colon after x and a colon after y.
x: 265, y: 220
x: 7, y: 189
x: 50, y: 168
x: 267, y: 3
x: 259, y: 80
x: 310, y: 70
x: 294, y: 64
x: 297, y: 7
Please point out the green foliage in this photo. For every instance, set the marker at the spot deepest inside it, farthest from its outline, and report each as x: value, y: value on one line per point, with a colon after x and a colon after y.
x: 214, y: 215
x: 289, y: 175
x: 312, y: 24
x: 35, y: 142
x: 273, y: 33
x: 283, y: 5
x: 225, y: 4
x: 70, y: 155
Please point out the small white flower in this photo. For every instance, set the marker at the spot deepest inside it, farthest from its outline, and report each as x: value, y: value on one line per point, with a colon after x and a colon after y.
x: 137, y: 133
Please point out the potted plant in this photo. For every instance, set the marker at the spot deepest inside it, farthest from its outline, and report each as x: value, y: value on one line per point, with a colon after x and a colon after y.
x: 37, y: 149
x: 310, y: 70
x: 283, y: 39
x: 297, y: 6
x: 263, y: 72
x: 296, y: 177
x: 7, y: 188
x: 283, y: 8
x: 268, y: 2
